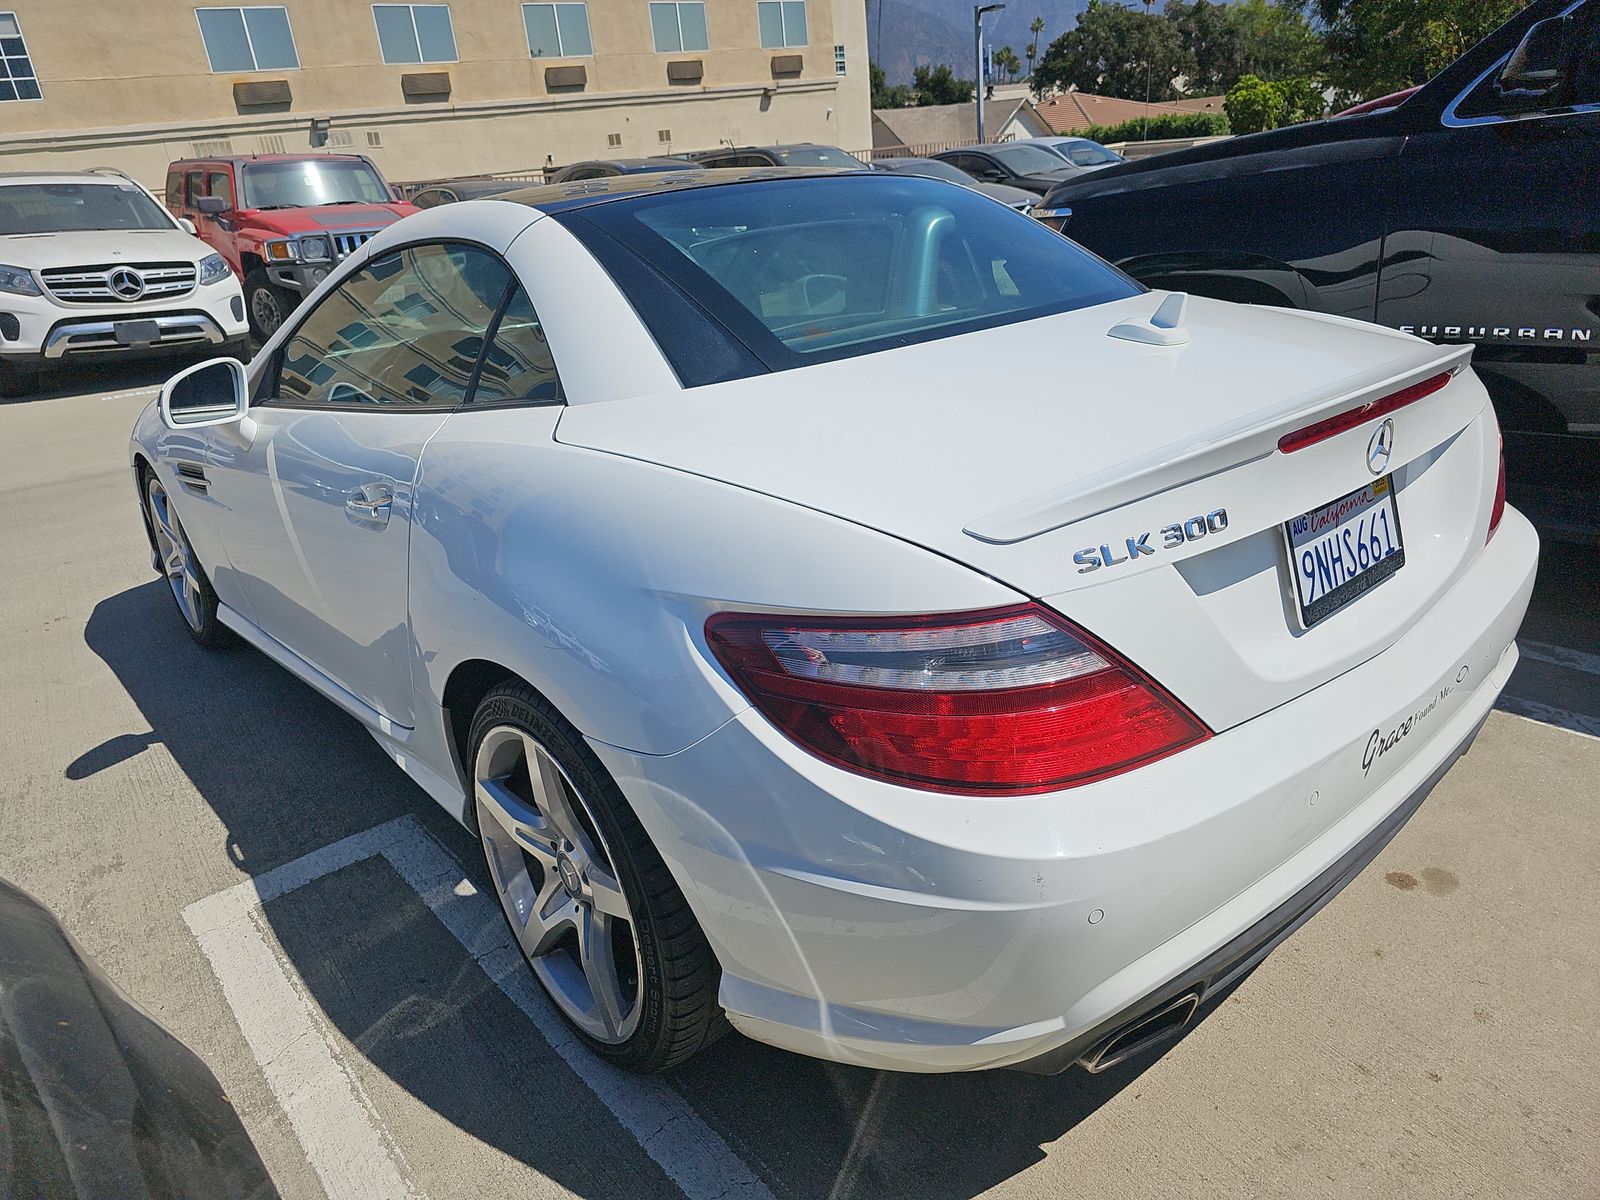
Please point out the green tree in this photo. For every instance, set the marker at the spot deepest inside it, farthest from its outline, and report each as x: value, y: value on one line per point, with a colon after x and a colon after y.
x: 1007, y: 63
x: 884, y: 96
x: 1246, y: 37
x: 1035, y: 28
x: 1380, y: 46
x: 1254, y: 104
x: 939, y: 85
x: 1115, y: 51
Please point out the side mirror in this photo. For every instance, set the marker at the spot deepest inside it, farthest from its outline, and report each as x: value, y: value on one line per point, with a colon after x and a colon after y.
x: 1539, y: 64
x: 187, y: 225
x: 209, y: 393
x: 211, y: 205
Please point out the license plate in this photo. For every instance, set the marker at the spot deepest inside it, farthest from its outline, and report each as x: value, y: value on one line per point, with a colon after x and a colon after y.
x: 136, y: 333
x: 1344, y: 549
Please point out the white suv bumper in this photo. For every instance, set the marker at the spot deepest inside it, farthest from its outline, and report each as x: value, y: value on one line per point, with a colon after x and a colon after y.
x: 39, y: 329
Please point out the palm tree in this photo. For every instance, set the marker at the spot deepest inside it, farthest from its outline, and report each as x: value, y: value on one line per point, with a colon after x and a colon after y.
x: 1006, y: 59
x: 1035, y: 27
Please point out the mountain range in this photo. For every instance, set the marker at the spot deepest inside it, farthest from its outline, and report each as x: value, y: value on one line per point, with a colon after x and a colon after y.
x: 906, y: 34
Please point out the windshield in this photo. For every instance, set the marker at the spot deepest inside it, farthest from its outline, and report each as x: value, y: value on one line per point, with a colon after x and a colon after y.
x: 1087, y: 154
x: 74, y: 207
x: 931, y: 168
x: 1027, y: 160
x: 819, y: 156
x: 808, y: 269
x: 311, y: 182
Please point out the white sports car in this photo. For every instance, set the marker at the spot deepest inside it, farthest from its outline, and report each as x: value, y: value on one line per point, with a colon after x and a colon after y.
x: 800, y: 671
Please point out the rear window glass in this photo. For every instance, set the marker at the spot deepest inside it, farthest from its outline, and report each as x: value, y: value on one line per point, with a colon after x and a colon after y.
x: 806, y: 270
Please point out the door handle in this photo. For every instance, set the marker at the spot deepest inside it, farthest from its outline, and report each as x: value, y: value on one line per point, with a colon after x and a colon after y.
x: 372, y: 503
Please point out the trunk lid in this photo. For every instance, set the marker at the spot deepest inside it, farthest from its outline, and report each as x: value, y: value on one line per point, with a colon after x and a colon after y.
x: 1012, y: 449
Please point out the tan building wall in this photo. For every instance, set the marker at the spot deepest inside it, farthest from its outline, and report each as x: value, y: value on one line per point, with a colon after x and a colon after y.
x: 137, y: 91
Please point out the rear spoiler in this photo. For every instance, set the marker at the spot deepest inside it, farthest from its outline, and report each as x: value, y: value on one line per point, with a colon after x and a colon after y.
x: 1227, y: 446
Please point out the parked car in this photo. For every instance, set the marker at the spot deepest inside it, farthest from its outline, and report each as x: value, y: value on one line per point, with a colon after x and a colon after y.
x: 1466, y: 214
x: 98, y: 1099
x: 282, y: 221
x: 1079, y: 152
x: 92, y: 267
x: 608, y: 168
x: 450, y: 191
x: 804, y: 154
x: 932, y: 168
x: 1031, y: 168
x: 792, y: 674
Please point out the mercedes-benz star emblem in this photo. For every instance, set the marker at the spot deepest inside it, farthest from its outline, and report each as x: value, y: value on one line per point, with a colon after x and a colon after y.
x: 127, y: 283
x: 1381, y: 447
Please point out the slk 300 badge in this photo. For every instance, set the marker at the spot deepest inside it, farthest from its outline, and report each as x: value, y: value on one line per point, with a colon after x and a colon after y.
x: 1179, y: 533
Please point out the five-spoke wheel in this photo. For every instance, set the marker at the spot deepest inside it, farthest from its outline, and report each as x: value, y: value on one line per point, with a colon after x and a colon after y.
x: 599, y: 917
x: 197, y: 603
x: 557, y: 884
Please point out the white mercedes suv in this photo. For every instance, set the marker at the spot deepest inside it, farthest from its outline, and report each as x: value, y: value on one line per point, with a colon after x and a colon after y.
x: 92, y: 265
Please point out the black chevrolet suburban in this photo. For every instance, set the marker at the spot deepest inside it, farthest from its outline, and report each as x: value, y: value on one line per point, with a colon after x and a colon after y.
x: 1469, y: 213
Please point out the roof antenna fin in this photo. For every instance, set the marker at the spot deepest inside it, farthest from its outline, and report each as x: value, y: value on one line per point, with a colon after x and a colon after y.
x: 1164, y: 327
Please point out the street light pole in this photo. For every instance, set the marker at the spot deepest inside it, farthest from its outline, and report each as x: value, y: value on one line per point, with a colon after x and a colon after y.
x: 977, y: 44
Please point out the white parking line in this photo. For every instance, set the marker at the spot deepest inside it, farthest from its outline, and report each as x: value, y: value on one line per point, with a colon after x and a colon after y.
x: 1560, y: 656
x: 331, y: 1114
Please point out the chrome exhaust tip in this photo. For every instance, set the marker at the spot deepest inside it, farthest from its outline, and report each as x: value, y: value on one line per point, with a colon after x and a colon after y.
x: 1139, y: 1035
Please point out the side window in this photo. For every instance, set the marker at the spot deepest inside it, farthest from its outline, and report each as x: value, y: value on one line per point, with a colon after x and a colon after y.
x: 174, y: 191
x: 405, y: 331
x: 518, y: 367
x: 220, y: 183
x: 193, y: 187
x: 1557, y: 67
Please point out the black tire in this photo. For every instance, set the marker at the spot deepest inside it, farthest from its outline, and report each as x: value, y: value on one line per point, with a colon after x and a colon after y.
x: 266, y: 304
x: 680, y: 975
x: 19, y: 381
x: 200, y: 619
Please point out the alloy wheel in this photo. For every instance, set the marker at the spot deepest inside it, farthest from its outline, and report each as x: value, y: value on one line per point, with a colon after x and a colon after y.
x: 177, y: 560
x: 267, y: 310
x: 558, y: 884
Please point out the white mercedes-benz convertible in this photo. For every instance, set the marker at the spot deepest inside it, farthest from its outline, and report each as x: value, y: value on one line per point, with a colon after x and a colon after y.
x: 804, y: 665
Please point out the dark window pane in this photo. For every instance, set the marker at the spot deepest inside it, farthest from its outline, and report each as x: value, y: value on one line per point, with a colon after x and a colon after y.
x: 518, y: 365
x: 396, y: 37
x: 271, y: 39
x: 227, y: 45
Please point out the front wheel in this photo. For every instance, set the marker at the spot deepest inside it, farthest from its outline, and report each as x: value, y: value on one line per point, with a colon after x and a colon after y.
x: 197, y: 603
x: 267, y: 304
x: 600, y: 921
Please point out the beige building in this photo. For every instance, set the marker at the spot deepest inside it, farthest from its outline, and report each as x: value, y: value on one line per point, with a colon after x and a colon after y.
x: 427, y: 90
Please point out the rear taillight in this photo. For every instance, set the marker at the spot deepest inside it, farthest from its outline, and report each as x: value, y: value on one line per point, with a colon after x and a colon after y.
x: 1498, y: 509
x: 999, y: 703
x: 1329, y: 427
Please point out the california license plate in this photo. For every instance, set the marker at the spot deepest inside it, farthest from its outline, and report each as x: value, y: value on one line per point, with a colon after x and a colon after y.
x: 1344, y: 549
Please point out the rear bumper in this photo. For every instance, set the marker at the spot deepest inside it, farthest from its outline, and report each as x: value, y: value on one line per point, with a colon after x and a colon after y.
x: 882, y: 926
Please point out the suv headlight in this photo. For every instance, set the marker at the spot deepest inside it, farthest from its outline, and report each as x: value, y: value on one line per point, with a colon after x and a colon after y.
x: 314, y: 249
x: 282, y: 251
x: 18, y: 281
x: 212, y: 268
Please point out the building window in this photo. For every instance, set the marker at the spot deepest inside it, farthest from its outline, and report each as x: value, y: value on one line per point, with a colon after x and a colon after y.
x: 679, y: 26
x: 557, y: 30
x: 17, y: 80
x: 415, y: 33
x: 838, y: 60
x: 247, y: 39
x: 783, y: 23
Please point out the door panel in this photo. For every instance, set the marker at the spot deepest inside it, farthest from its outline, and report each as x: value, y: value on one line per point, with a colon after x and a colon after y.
x: 320, y: 502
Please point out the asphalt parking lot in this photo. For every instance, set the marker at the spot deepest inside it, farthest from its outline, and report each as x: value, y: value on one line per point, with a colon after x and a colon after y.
x: 254, y: 871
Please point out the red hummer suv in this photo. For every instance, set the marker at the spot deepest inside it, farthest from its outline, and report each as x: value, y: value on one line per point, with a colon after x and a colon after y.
x: 282, y: 220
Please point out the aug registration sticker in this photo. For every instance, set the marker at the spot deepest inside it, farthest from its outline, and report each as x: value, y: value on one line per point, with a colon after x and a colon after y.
x: 1343, y: 549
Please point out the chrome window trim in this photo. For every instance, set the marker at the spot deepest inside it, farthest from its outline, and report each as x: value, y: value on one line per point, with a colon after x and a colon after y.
x: 1450, y: 120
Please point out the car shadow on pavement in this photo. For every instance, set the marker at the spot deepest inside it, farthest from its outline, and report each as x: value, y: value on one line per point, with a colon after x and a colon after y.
x: 288, y: 773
